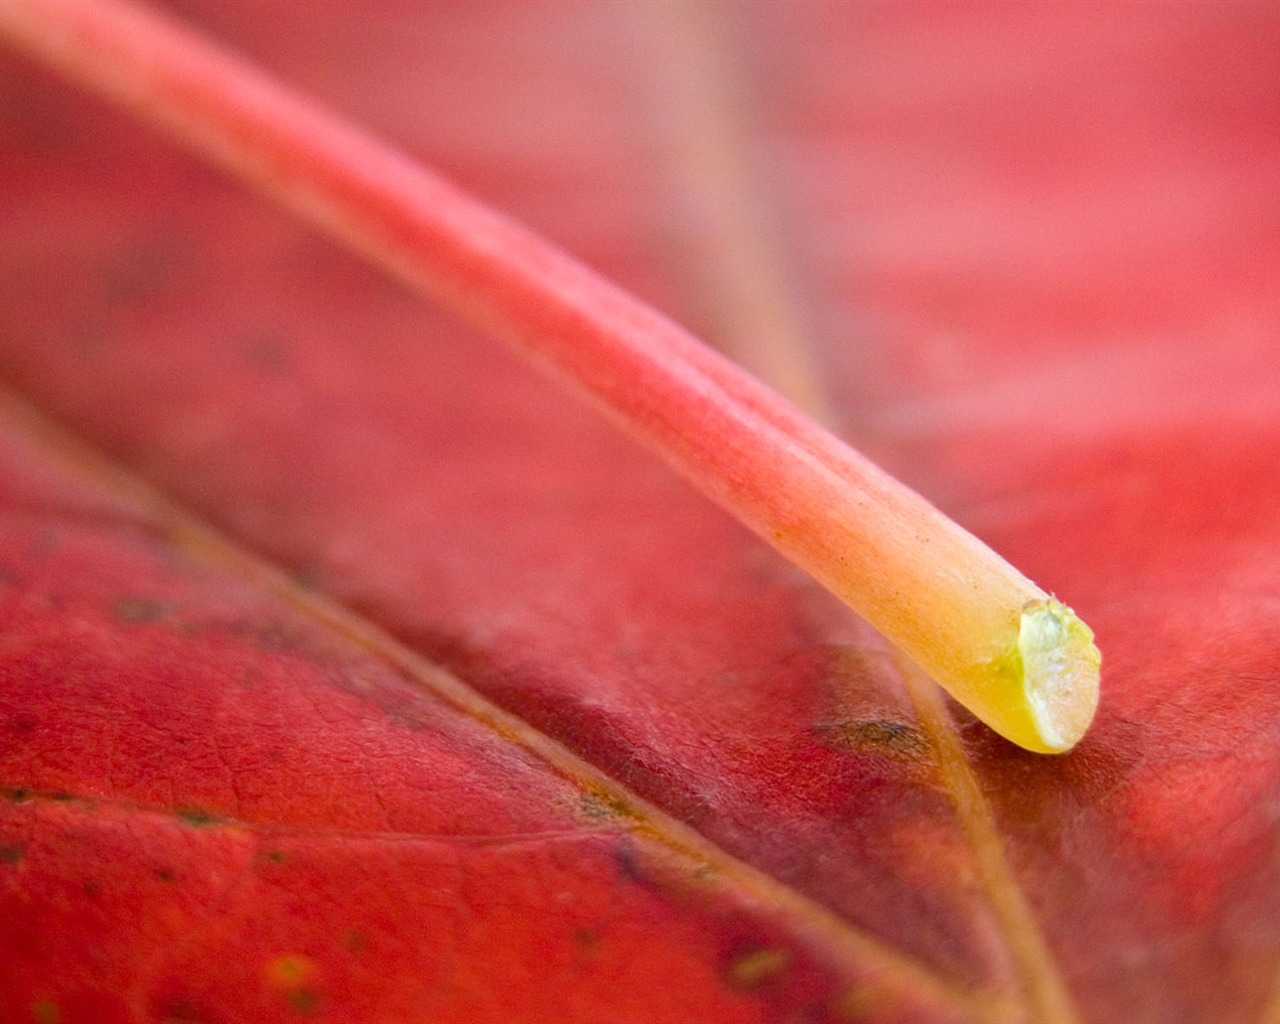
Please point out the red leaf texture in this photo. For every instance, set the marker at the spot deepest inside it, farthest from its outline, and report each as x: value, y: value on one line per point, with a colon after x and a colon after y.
x: 350, y: 672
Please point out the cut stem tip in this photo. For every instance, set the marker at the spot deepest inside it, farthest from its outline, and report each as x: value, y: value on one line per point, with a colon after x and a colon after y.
x: 1061, y: 667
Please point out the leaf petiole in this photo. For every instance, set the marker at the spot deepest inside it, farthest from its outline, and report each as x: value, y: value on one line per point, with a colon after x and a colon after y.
x: 1019, y: 660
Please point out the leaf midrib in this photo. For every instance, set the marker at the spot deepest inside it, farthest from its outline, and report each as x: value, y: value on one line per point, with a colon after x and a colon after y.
x: 193, y: 536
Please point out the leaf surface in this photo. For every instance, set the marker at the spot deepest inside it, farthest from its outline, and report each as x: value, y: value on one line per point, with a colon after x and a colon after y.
x: 1031, y: 257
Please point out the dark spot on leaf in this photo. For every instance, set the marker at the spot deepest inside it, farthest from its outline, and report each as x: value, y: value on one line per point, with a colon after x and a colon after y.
x: 291, y: 971
x: 164, y: 875
x: 45, y: 1011
x: 62, y: 798
x: 12, y: 854
x: 24, y: 725
x: 758, y: 968
x: 276, y: 857
x: 93, y: 888
x: 601, y: 805
x: 139, y: 611
x: 198, y: 818
x: 182, y: 1012
x: 141, y: 270
x: 303, y: 1000
x: 267, y: 353
x: 355, y: 942
x: 18, y: 796
x: 586, y: 939
x: 311, y: 576
x: 627, y: 858
x: 879, y: 736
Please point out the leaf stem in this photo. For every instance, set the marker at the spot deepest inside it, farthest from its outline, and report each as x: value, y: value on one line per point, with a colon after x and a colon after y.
x: 1019, y: 660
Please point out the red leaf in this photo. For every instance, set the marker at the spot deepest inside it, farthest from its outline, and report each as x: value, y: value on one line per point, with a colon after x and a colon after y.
x: 1036, y: 252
